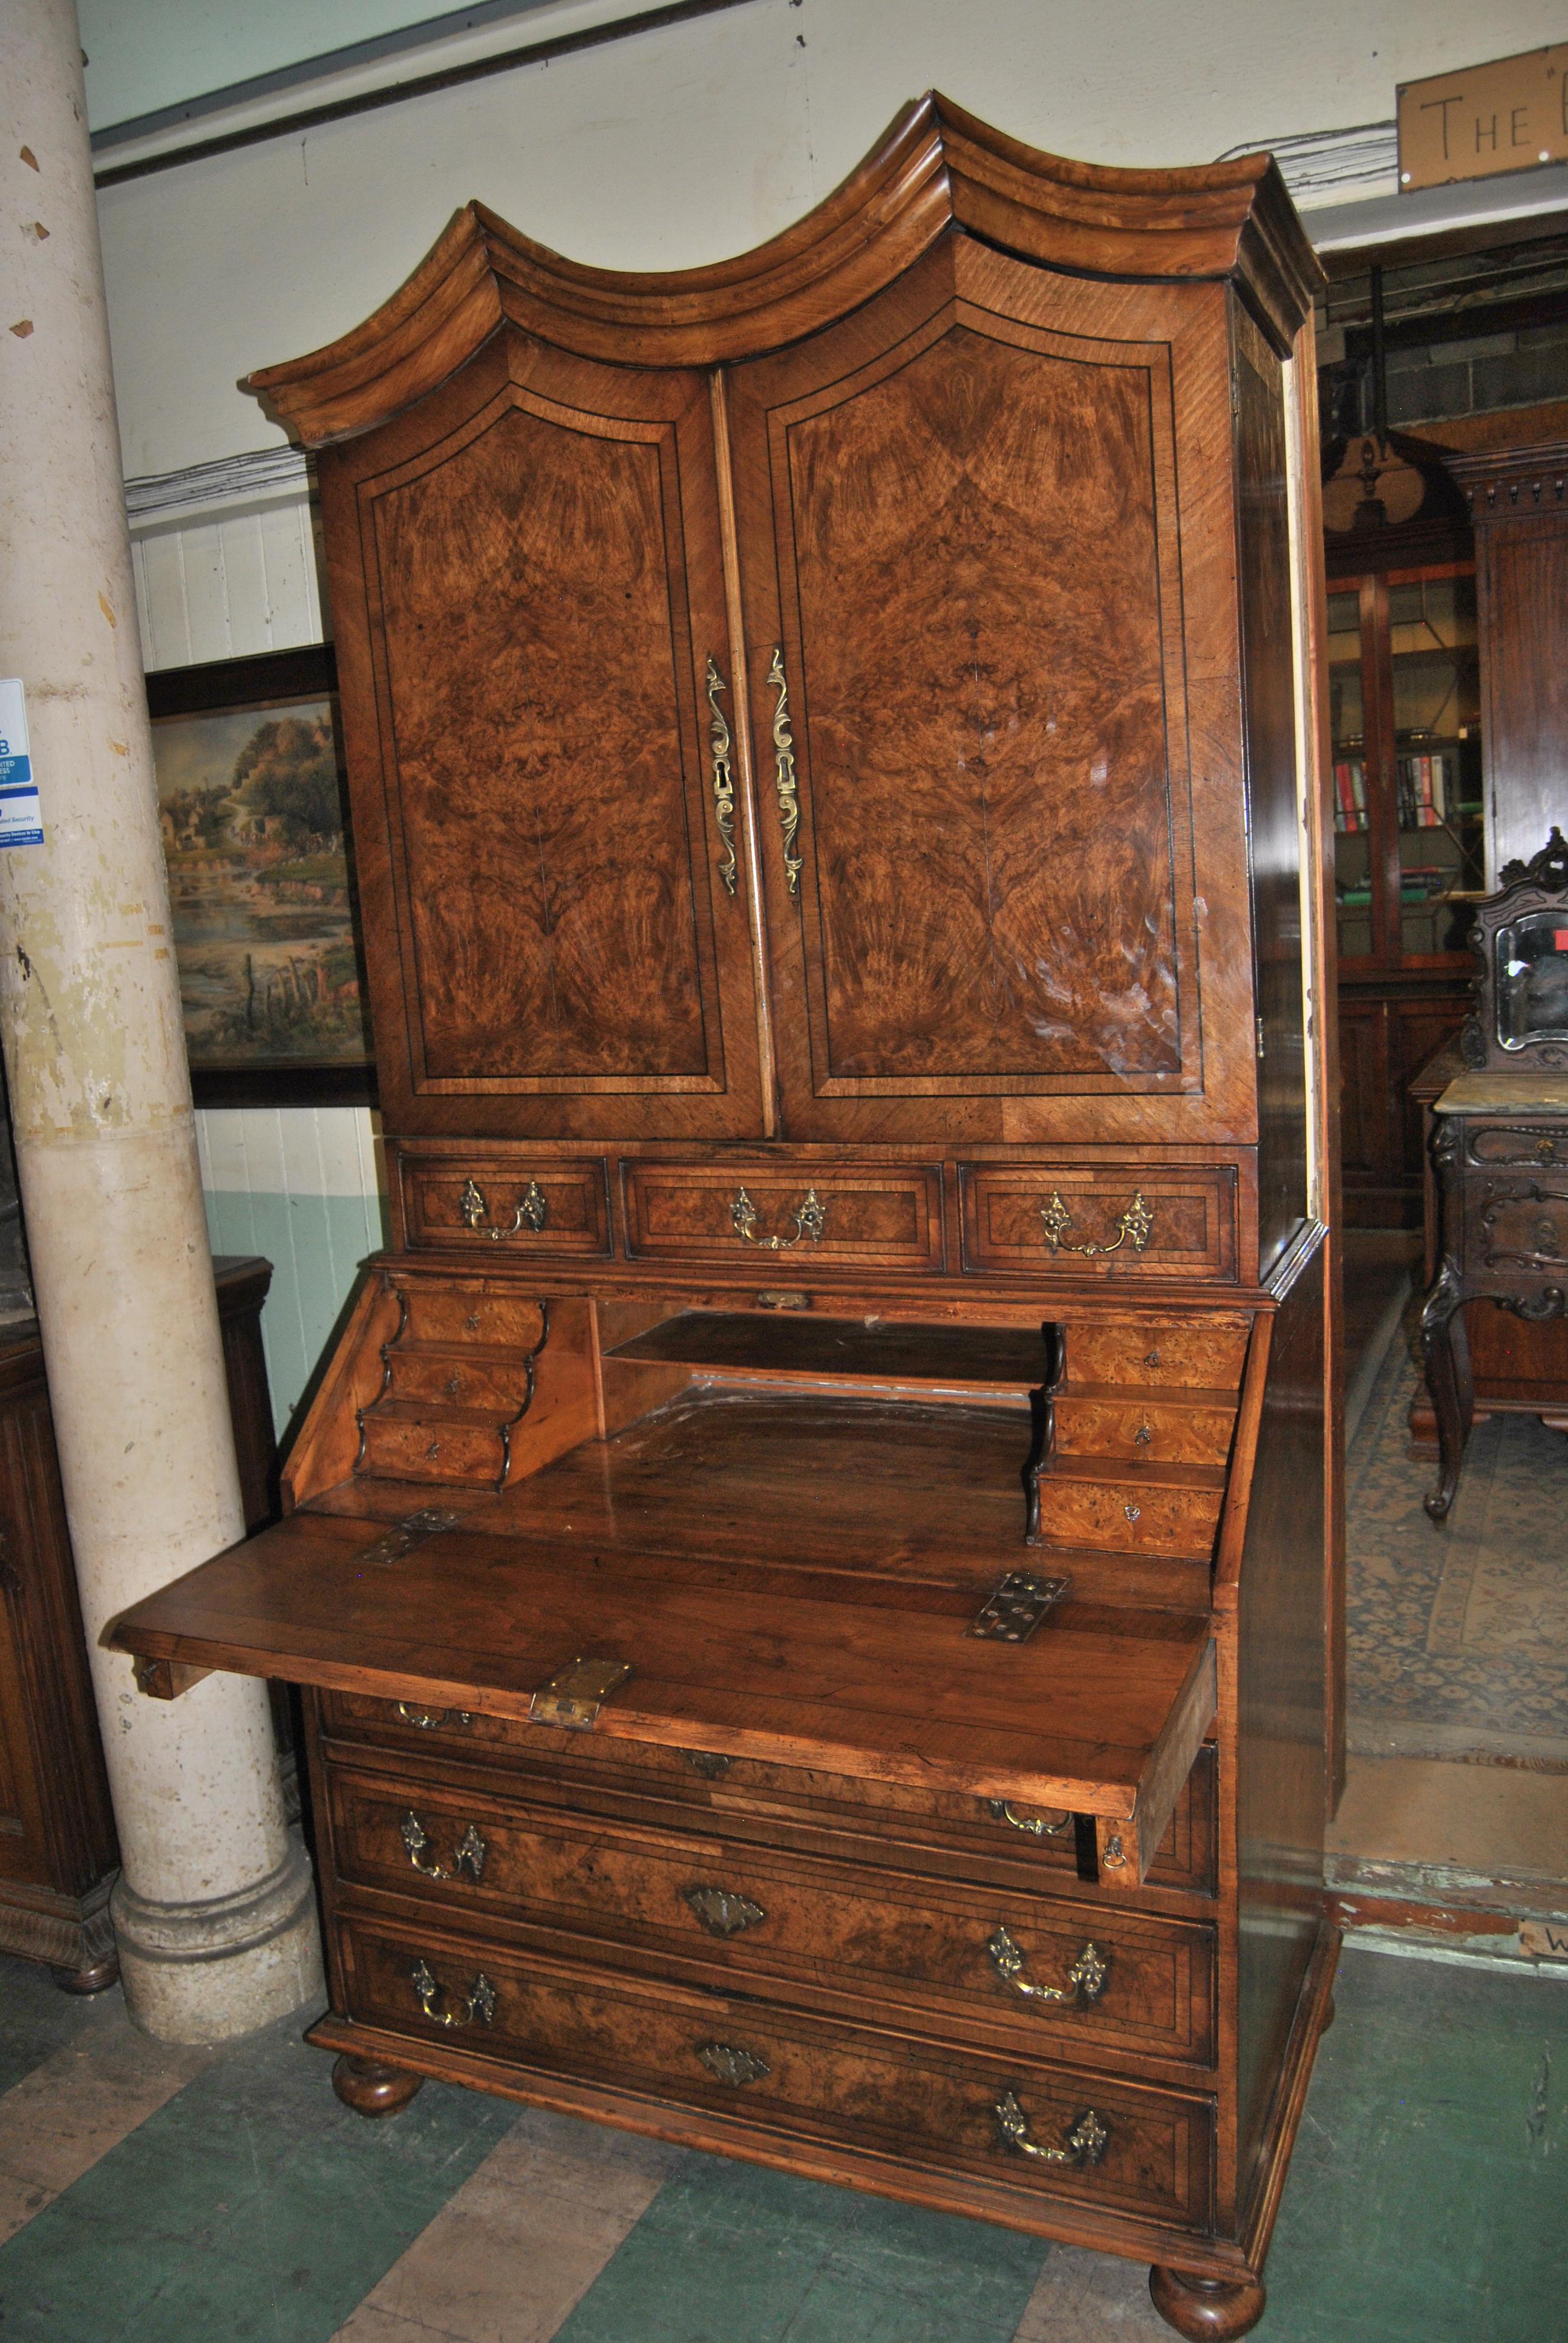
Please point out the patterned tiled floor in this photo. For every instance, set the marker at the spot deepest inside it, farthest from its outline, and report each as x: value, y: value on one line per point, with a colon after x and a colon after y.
x: 157, y: 2197
x: 1457, y: 1635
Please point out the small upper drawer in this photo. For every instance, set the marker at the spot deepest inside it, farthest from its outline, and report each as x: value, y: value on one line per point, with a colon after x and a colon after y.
x: 1092, y: 1220
x: 504, y: 1202
x: 820, y: 1215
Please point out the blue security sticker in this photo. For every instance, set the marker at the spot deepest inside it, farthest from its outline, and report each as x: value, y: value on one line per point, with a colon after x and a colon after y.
x: 21, y: 823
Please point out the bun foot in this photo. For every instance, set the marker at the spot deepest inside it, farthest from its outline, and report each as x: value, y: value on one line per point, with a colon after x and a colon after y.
x: 97, y: 1978
x: 1206, y: 2309
x: 372, y: 2090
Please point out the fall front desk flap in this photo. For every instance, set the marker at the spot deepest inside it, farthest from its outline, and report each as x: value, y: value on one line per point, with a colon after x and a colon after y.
x: 1030, y: 1696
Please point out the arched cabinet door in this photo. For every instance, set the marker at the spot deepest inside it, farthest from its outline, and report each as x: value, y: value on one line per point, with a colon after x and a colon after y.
x: 988, y: 560
x: 527, y: 586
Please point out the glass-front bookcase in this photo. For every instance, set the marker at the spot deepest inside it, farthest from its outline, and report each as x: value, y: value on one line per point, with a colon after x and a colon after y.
x: 1404, y: 683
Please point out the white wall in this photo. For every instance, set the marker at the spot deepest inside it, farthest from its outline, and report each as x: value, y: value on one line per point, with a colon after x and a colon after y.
x: 682, y: 145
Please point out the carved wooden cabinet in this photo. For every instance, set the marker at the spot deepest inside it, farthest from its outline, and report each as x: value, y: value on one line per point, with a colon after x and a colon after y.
x: 58, y: 1854
x: 809, y: 1562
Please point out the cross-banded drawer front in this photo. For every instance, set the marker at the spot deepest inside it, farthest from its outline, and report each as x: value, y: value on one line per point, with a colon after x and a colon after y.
x: 819, y: 1216
x: 879, y: 1824
x: 1048, y: 2128
x: 1127, y: 1221
x: 503, y: 1204
x: 1012, y: 1968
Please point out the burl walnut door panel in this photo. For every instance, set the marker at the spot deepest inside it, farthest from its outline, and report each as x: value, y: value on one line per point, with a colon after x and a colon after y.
x: 529, y: 590
x: 978, y: 524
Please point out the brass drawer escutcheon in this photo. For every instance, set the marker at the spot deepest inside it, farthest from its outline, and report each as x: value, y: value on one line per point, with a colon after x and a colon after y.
x: 467, y: 1859
x: 431, y: 1720
x: 1000, y: 1810
x: 1085, y: 2144
x: 1085, y: 1979
x: 723, y: 778
x: 737, y: 2067
x: 478, y: 2006
x: 532, y: 1212
x: 810, y: 1217
x: 707, y: 1762
x: 1135, y: 1227
x: 723, y: 1911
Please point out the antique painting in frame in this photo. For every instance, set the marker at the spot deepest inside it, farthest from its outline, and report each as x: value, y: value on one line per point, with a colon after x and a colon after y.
x: 253, y: 811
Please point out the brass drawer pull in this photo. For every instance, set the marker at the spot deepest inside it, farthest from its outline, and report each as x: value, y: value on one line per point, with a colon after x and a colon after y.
x: 784, y: 772
x: 532, y: 1212
x: 430, y: 1720
x: 810, y: 1217
x: 1085, y: 1979
x: 1135, y: 1227
x: 1002, y: 1812
x: 706, y: 1762
x: 476, y: 2008
x: 723, y: 779
x: 737, y: 2067
x: 1085, y: 2144
x: 723, y: 1911
x: 467, y: 1859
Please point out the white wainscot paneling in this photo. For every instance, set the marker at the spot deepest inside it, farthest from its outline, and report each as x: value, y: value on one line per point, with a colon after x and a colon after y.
x: 225, y: 584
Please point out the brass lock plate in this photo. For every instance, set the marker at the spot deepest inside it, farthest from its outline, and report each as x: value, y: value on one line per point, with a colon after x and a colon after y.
x: 575, y: 1694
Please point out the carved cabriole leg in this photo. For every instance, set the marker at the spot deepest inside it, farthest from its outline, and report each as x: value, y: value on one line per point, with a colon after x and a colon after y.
x: 1442, y: 1340
x: 372, y: 2090
x: 1206, y: 2309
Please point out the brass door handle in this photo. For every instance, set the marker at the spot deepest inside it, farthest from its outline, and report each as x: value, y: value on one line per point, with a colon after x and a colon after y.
x: 1135, y: 1227
x: 1085, y: 1979
x: 478, y: 2006
x: 784, y: 780
x: 810, y: 1217
x: 467, y: 1859
x: 723, y: 778
x: 1032, y: 1824
x: 532, y: 1212
x: 430, y: 1720
x: 1085, y: 2144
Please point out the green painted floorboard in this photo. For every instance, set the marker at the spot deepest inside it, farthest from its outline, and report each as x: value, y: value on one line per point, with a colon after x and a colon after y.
x: 252, y: 2204
x: 1427, y: 2200
x: 35, y: 2018
x: 731, y: 2253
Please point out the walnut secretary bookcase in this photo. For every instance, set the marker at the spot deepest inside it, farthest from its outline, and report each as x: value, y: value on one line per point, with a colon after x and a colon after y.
x: 809, y: 1563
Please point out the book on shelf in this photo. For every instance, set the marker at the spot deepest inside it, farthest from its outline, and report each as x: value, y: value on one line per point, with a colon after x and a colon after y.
x: 1423, y: 790
x: 1350, y: 794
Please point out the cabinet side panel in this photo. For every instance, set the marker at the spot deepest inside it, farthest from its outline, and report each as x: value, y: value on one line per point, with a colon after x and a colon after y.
x: 1280, y: 1705
x: 1268, y: 704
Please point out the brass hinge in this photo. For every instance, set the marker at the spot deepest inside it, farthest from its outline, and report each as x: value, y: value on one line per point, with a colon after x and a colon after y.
x: 1016, y: 1605
x: 411, y: 1531
x: 575, y: 1694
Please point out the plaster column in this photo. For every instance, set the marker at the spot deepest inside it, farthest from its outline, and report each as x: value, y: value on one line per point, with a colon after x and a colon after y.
x: 214, y: 1910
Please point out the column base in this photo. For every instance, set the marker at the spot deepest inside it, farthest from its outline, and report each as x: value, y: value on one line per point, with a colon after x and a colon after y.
x: 209, y: 1972
x: 1206, y: 2310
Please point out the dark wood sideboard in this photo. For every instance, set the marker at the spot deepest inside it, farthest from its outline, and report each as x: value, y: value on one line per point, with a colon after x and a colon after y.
x: 57, y: 1852
x: 809, y: 1565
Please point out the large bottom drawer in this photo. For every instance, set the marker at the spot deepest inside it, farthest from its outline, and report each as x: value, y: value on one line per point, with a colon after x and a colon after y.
x: 776, y: 1805
x: 1111, y: 2144
x: 1014, y: 1970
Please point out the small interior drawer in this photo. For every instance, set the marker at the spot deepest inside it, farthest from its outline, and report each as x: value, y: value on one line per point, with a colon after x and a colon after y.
x: 756, y: 1214
x: 1099, y: 1220
x: 503, y: 1202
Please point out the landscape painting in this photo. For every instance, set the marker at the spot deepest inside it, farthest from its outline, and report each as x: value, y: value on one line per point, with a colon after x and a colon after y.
x: 251, y: 806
